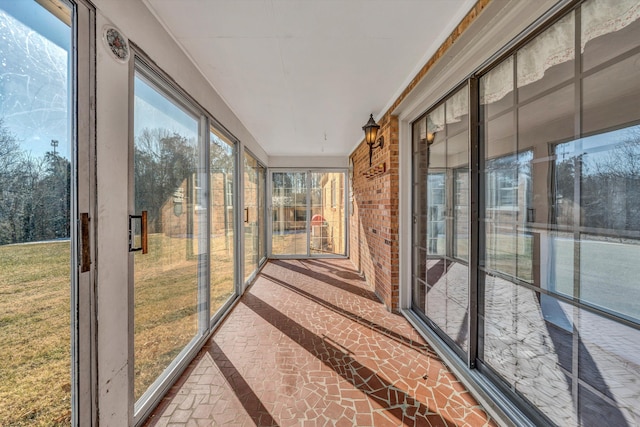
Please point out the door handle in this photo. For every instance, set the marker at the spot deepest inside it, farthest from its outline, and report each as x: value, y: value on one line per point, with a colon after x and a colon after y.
x: 143, y: 233
x: 85, y: 243
x: 144, y: 247
x: 246, y: 215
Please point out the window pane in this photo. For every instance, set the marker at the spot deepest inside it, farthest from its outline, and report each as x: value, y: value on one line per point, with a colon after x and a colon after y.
x: 496, y: 89
x: 441, y: 218
x: 327, y: 219
x: 436, y: 224
x: 501, y: 214
x: 222, y: 180
x: 419, y: 294
x: 36, y: 179
x: 461, y: 214
x: 609, y: 368
x: 609, y: 28
x: 603, y: 168
x: 166, y: 180
x: 611, y: 96
x: 262, y: 189
x: 561, y: 213
x: 529, y: 342
x: 547, y: 60
x: 457, y: 113
x: 501, y: 132
x: 420, y: 162
x: 251, y: 218
x: 289, y: 199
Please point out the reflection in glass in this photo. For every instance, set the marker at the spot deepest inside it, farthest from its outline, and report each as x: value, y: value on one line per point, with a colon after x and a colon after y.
x: 497, y: 89
x: 609, y: 371
x: 528, y: 341
x: 609, y: 28
x: 222, y: 178
x: 547, y: 60
x: 562, y: 215
x: 36, y: 190
x: 166, y: 185
x: 507, y: 200
x: 610, y: 96
x: 253, y: 214
x: 436, y: 225
x: 441, y: 217
x: 604, y: 169
x: 461, y: 214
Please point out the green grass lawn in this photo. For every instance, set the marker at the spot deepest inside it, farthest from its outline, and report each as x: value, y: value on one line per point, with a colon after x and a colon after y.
x: 35, y: 380
x: 166, y: 300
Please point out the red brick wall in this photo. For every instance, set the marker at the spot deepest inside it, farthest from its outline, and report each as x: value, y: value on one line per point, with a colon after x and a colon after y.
x: 374, y: 222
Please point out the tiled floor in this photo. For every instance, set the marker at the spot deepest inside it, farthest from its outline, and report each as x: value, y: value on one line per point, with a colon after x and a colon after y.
x: 310, y: 345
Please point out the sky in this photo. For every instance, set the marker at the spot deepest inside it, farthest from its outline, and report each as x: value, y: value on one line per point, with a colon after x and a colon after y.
x: 34, y: 73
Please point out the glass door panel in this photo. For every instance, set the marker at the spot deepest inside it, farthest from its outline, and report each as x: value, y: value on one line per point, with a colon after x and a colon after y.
x: 167, y: 188
x: 289, y: 218
x: 308, y: 213
x: 250, y: 217
x: 441, y: 228
x: 37, y: 190
x: 327, y: 213
x: 222, y: 178
x: 261, y: 213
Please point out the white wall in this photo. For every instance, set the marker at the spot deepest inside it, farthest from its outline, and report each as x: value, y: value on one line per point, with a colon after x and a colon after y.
x: 308, y: 162
x: 115, y: 404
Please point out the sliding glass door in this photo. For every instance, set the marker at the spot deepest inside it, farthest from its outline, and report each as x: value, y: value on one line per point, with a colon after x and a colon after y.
x: 168, y: 199
x: 45, y: 194
x: 550, y: 262
x: 308, y: 216
x: 441, y: 219
x: 254, y: 215
x: 182, y: 230
x: 289, y: 213
x: 222, y: 178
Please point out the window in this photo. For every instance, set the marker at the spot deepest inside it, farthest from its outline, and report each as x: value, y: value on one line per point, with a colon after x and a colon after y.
x: 254, y: 207
x: 558, y: 229
x: 441, y: 219
x: 187, y: 276
x: 222, y: 177
x: 40, y: 186
x: 167, y: 171
x: 309, y: 216
x: 561, y: 216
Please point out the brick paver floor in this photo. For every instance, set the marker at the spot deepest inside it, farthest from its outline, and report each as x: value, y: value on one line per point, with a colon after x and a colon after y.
x: 310, y: 345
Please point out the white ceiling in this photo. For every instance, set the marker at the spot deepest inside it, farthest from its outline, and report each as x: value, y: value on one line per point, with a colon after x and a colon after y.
x: 304, y: 75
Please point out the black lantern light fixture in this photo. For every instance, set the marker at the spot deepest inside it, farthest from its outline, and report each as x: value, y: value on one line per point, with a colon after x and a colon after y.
x: 431, y: 136
x: 370, y: 133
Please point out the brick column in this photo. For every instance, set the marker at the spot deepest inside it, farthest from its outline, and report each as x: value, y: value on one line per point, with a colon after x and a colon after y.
x: 374, y: 222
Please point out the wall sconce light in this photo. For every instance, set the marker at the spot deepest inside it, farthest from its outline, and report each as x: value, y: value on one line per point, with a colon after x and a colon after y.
x: 431, y: 136
x: 370, y: 133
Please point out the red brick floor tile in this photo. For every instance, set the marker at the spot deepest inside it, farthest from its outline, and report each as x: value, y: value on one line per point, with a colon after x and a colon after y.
x: 309, y: 345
